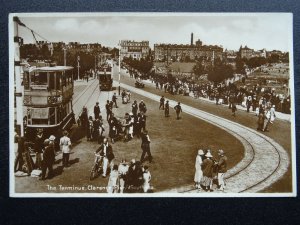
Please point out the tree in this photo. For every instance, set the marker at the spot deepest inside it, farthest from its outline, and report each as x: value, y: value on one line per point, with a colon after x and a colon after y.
x: 220, y: 72
x: 199, y: 69
x: 274, y: 58
x: 114, y: 52
x: 239, y: 65
x: 256, y: 62
x: 143, y: 66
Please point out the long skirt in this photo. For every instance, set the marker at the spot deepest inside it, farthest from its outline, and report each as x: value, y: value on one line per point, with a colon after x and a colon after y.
x: 206, y: 181
x: 198, y: 176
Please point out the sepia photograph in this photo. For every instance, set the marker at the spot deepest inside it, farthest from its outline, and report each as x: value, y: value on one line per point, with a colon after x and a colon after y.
x: 151, y: 105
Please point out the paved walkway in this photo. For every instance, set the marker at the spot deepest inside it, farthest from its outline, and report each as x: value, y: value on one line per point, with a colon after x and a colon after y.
x: 265, y: 160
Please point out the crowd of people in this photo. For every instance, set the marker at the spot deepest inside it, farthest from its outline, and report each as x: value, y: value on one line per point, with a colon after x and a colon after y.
x: 128, y: 177
x: 125, y: 177
x: 224, y: 94
x: 264, y: 102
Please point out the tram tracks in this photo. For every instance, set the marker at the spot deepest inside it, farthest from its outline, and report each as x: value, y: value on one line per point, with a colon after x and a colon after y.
x: 232, y: 174
x: 265, y: 160
x: 84, y: 91
x: 79, y: 103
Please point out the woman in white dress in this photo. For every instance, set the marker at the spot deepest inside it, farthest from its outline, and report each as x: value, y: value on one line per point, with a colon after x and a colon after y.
x: 198, y: 172
x: 113, y: 182
x: 146, y: 179
x: 130, y: 127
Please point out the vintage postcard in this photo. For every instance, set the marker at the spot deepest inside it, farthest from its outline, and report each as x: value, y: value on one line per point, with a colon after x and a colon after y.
x: 152, y: 105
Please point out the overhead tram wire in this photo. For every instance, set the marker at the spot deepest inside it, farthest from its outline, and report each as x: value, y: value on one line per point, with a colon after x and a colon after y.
x: 34, y: 33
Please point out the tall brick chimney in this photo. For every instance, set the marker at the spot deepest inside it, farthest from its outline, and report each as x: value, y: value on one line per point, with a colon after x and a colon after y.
x: 192, y: 39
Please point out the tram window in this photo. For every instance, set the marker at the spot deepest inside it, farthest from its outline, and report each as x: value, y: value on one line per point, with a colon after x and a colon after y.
x: 51, y: 116
x: 57, y: 81
x: 51, y: 81
x: 63, y: 79
x: 63, y: 112
x: 39, y: 78
x: 29, y: 116
x: 26, y: 80
x: 39, y: 121
x: 58, y: 114
x: 69, y: 76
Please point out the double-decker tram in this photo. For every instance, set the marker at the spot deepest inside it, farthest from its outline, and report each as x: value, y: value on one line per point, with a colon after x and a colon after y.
x: 105, y: 78
x: 48, y: 93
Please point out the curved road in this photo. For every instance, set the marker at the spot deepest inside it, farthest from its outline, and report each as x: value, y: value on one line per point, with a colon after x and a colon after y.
x: 265, y: 160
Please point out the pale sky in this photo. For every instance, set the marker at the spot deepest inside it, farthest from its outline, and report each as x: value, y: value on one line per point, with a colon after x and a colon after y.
x: 270, y: 31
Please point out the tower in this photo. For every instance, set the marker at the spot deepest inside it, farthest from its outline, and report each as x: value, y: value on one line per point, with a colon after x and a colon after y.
x: 192, y: 38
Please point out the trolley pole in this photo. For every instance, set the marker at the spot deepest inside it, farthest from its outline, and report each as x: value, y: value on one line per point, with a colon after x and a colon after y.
x: 119, y: 68
x: 17, y: 66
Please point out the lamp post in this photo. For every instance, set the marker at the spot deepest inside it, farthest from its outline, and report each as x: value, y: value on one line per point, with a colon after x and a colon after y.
x: 78, y: 66
x: 65, y: 56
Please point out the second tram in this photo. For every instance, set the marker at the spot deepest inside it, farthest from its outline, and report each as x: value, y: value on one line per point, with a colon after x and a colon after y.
x: 105, y: 78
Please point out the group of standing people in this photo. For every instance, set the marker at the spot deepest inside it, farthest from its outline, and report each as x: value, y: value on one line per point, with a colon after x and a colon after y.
x: 45, y: 153
x: 129, y: 177
x: 208, y: 169
x: 266, y: 116
x: 132, y: 177
x: 164, y: 105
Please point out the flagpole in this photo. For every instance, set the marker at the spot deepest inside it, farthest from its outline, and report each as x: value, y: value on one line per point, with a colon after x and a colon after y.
x: 119, y: 67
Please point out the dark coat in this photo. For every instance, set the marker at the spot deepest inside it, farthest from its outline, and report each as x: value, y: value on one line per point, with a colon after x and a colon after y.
x: 207, y: 167
x: 38, y: 144
x: 222, y: 164
x: 178, y: 108
x: 96, y: 110
x: 109, y: 152
x: 48, y: 156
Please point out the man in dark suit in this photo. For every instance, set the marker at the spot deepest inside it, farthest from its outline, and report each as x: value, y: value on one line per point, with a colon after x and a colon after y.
x: 97, y: 110
x: 21, y: 149
x: 105, y: 150
x: 142, y: 120
x: 162, y: 103
x: 146, y: 146
x: 142, y: 107
x: 48, y: 160
x: 114, y: 99
x: 38, y: 148
x: 134, y: 108
x: 167, y: 109
x: 178, y: 110
x: 108, y: 110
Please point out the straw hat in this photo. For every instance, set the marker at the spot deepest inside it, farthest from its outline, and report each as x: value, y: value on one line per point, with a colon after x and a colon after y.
x: 52, y: 138
x: 200, y: 152
x: 208, y: 155
x: 221, y: 152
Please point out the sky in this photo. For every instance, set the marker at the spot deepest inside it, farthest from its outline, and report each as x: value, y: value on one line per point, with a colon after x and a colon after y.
x: 257, y: 31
